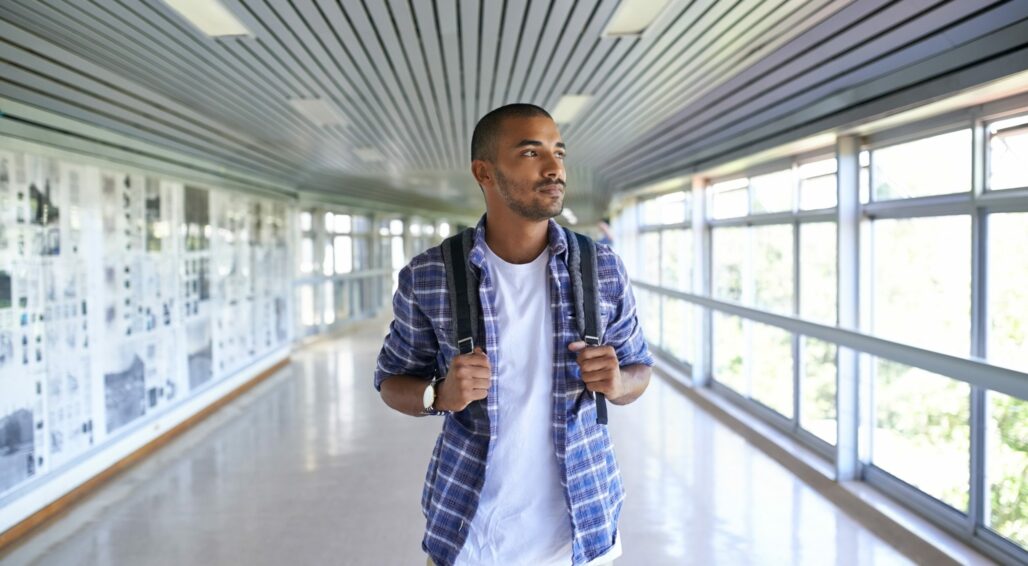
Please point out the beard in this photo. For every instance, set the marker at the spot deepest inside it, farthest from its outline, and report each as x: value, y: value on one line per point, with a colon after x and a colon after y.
x: 527, y: 207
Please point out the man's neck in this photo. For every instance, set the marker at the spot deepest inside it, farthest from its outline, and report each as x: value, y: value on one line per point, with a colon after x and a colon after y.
x: 515, y: 239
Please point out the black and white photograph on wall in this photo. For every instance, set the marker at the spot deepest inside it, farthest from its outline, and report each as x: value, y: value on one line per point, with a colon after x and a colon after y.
x: 199, y: 352
x: 198, y: 218
x: 124, y: 387
x: 17, y: 445
x: 5, y: 289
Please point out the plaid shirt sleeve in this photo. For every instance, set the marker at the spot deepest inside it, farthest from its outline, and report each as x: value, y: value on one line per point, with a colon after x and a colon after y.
x: 410, y: 348
x: 623, y: 331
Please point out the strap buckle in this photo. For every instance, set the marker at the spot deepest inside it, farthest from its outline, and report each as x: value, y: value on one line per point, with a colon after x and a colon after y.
x: 471, y: 345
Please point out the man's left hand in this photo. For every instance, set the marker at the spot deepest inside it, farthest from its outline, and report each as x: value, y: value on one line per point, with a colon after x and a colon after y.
x: 599, y: 368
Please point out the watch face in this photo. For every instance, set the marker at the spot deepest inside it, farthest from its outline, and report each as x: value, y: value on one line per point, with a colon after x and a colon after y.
x: 429, y: 396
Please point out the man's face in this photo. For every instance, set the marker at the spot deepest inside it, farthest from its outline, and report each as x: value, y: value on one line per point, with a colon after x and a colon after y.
x: 528, y: 169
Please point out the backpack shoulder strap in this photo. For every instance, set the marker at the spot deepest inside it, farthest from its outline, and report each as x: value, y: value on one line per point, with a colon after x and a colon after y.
x: 585, y: 282
x: 463, y: 289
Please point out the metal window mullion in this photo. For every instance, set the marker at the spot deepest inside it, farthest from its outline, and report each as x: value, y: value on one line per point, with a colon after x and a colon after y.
x: 847, y: 385
x: 978, y: 497
x: 794, y: 337
x: 702, y: 285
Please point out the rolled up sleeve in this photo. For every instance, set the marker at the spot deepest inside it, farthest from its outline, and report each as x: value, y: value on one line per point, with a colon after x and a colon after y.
x: 623, y: 331
x: 410, y: 348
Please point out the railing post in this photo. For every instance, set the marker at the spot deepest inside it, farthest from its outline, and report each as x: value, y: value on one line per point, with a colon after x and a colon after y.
x: 701, y: 362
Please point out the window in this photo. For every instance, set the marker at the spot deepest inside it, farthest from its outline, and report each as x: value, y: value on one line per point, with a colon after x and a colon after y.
x: 396, y: 227
x: 343, y: 223
x: 817, y: 387
x: 444, y: 229
x: 672, y: 208
x: 1008, y: 290
x: 730, y: 198
x: 343, y: 254
x: 818, y: 184
x: 329, y: 222
x: 772, y: 267
x: 306, y: 255
x: 772, y: 192
x: 305, y: 221
x: 922, y: 282
x: 1008, y: 152
x: 649, y: 253
x: 729, y: 345
x: 771, y: 367
x: 677, y: 337
x: 676, y: 259
x: 818, y: 281
x: 930, y: 166
x: 729, y: 254
x: 329, y: 309
x: 921, y: 433
x: 326, y: 260
x: 1006, y: 462
x: 865, y: 176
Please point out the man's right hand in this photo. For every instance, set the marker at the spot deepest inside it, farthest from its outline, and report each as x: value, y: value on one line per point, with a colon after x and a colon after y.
x: 468, y: 380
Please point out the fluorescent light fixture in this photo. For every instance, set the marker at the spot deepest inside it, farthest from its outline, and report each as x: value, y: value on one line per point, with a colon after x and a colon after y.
x: 318, y: 110
x: 633, y: 17
x: 369, y: 154
x: 210, y: 16
x: 569, y: 107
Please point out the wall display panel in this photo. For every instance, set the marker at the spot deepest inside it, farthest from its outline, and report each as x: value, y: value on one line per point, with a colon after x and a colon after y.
x: 121, y: 295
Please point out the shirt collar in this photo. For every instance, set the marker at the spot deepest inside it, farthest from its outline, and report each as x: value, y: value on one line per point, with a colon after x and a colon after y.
x: 558, y: 242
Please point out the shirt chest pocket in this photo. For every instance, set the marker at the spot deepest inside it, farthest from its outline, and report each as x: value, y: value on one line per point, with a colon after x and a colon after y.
x: 606, y: 314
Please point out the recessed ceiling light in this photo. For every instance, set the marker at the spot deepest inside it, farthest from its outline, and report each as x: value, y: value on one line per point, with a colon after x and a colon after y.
x: 569, y: 107
x: 318, y: 110
x: 369, y: 154
x: 210, y: 16
x: 633, y: 17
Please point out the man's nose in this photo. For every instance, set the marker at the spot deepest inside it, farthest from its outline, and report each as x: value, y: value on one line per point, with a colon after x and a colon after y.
x: 554, y: 169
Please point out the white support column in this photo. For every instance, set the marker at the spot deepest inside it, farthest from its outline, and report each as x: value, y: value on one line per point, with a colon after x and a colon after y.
x: 848, y: 248
x: 702, y: 349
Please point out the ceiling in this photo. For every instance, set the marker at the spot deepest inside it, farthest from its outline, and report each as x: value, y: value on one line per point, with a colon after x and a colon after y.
x: 709, y: 80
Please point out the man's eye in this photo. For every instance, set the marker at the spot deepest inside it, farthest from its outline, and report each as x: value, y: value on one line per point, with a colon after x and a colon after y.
x: 560, y: 156
x: 529, y: 153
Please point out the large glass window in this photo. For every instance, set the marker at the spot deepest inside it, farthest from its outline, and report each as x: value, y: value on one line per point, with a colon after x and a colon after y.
x: 649, y: 254
x: 344, y: 254
x: 677, y: 337
x: 672, y: 208
x: 771, y: 367
x: 676, y: 259
x: 1008, y: 153
x: 818, y: 184
x: 772, y: 192
x: 1007, y: 467
x: 772, y: 268
x: 729, y: 256
x: 729, y: 349
x: 922, y: 282
x: 921, y: 432
x: 818, y: 280
x: 730, y: 199
x: 930, y: 166
x: 1008, y: 290
x: 817, y: 388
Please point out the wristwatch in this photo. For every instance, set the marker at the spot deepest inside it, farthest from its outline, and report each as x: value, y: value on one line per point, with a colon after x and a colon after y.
x: 428, y: 400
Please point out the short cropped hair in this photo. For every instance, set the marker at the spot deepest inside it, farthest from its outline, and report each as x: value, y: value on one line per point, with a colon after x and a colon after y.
x: 483, y: 140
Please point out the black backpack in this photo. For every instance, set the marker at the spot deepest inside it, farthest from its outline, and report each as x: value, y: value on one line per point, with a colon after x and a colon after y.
x: 463, y: 287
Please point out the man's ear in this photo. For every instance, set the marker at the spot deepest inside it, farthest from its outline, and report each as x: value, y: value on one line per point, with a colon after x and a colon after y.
x: 482, y: 171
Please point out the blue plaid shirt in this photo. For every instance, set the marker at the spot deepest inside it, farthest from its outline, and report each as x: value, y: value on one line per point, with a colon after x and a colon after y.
x: 421, y: 343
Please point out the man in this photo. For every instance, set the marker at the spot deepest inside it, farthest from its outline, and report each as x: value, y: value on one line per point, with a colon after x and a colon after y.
x: 521, y: 472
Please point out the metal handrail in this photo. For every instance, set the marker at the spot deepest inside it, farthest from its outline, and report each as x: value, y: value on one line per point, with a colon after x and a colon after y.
x: 969, y: 370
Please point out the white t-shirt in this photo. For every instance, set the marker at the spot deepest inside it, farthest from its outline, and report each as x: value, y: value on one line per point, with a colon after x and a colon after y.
x: 522, y: 515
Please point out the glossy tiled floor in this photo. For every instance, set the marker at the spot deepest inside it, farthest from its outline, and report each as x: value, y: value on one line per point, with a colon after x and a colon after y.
x: 310, y: 467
